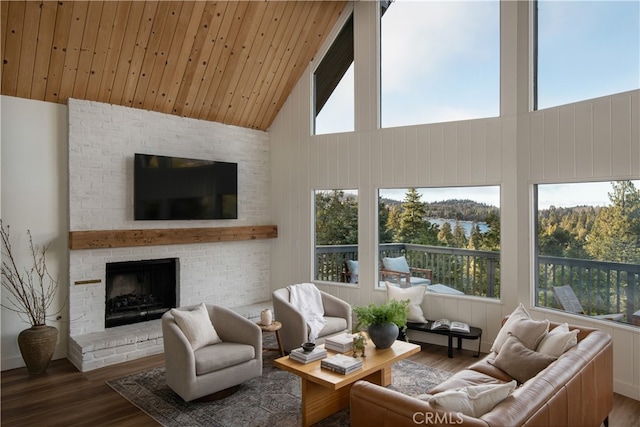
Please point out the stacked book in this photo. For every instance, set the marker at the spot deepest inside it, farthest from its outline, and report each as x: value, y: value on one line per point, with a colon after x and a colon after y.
x: 341, y: 363
x: 302, y: 356
x: 340, y: 343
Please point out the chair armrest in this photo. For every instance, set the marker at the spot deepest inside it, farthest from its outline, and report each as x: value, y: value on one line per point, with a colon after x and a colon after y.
x: 335, y: 307
x: 294, y: 327
x: 398, y: 274
x: 427, y: 272
x: 177, y: 349
x: 233, y: 327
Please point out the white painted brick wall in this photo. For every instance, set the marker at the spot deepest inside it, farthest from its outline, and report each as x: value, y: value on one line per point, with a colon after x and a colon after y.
x: 102, y: 141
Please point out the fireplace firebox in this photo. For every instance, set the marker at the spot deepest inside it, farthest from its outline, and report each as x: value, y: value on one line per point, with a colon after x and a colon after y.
x: 138, y: 291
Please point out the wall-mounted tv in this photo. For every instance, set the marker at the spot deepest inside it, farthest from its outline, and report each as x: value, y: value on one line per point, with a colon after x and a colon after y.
x: 175, y: 188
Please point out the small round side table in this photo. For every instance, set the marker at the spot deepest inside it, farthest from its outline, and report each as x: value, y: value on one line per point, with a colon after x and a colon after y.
x: 275, y: 328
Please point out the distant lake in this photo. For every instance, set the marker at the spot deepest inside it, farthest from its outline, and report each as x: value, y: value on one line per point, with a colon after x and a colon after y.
x: 467, y: 225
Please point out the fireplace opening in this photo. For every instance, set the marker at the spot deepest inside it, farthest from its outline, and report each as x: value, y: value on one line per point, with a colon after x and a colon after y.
x: 138, y: 291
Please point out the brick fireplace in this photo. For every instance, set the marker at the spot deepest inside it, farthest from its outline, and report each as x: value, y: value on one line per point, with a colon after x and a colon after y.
x: 102, y: 141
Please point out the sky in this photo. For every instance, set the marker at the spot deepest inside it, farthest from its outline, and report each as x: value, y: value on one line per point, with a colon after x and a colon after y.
x: 433, y: 72
x: 558, y: 195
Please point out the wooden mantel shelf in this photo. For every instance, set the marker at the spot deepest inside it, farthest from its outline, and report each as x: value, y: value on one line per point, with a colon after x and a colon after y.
x: 99, y: 239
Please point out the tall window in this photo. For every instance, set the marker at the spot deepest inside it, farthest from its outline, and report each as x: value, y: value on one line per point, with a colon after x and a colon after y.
x: 336, y: 235
x: 586, y: 49
x: 447, y: 236
x: 588, y: 249
x: 334, y: 99
x: 440, y: 61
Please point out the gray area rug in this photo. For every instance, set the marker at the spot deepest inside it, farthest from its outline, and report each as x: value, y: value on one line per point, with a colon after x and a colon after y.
x: 271, y: 400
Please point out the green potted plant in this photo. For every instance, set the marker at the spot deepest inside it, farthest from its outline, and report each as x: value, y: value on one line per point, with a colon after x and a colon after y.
x: 383, y: 321
x: 30, y: 292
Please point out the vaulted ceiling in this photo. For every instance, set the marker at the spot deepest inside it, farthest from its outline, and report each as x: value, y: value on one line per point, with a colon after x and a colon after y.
x: 232, y: 62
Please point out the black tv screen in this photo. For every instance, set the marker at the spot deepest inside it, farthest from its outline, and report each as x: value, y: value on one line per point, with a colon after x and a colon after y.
x: 174, y: 188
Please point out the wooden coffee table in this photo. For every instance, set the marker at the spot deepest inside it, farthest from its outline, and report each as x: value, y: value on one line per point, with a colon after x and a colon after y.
x: 325, y: 392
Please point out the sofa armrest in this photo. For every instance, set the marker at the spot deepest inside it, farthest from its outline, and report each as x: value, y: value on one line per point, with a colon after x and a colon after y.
x: 177, y: 351
x: 373, y: 405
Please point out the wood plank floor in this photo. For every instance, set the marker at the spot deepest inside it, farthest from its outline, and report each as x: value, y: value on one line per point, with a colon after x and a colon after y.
x: 65, y: 397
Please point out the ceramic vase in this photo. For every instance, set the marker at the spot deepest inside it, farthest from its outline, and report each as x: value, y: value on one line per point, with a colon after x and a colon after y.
x: 37, y: 345
x: 383, y: 335
x: 266, y: 318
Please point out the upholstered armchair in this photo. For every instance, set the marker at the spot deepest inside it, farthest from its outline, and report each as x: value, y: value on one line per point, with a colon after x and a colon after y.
x: 294, y: 332
x: 198, y: 364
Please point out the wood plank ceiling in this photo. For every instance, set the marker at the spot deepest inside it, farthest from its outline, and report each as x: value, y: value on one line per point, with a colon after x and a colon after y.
x: 232, y: 62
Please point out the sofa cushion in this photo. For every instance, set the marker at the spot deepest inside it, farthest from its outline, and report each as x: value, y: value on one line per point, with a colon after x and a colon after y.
x: 465, y: 378
x: 520, y: 362
x: 223, y: 355
x: 196, y: 326
x: 414, y: 294
x: 558, y: 340
x: 474, y: 400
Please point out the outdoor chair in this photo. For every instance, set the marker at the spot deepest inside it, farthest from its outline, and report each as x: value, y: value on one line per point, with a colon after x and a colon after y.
x: 567, y: 299
x: 397, y: 271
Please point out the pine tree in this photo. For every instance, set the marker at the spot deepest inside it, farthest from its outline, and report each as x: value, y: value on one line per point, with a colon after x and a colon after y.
x: 615, y: 235
x: 414, y: 227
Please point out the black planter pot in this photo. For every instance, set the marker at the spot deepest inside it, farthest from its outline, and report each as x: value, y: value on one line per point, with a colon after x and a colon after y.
x: 383, y: 336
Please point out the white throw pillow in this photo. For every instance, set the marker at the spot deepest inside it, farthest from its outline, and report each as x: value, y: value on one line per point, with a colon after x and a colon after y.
x: 196, y: 326
x: 558, y: 340
x: 519, y: 313
x: 415, y: 295
x: 473, y: 400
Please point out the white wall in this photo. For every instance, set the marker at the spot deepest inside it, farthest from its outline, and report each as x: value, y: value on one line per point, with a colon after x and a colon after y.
x: 35, y: 197
x: 597, y: 139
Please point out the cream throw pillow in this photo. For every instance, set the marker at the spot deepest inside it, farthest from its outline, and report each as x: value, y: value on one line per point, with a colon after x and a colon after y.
x: 473, y: 400
x: 196, y: 326
x: 415, y: 295
x: 519, y: 313
x: 558, y: 340
x: 530, y: 332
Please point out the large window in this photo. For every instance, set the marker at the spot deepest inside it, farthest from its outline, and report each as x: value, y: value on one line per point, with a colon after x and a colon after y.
x: 440, y: 61
x: 336, y: 235
x: 449, y: 236
x: 334, y: 99
x: 586, y: 49
x: 588, y: 249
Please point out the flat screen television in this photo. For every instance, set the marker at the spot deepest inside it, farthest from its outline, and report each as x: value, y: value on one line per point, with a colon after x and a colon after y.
x: 175, y: 188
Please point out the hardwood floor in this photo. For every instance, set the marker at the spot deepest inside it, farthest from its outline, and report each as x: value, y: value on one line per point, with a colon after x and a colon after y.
x: 65, y: 397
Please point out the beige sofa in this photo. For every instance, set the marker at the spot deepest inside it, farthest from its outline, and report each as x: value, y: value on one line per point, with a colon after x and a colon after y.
x: 574, y: 390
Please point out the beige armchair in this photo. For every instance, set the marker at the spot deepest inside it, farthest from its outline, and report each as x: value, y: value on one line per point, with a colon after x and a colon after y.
x: 234, y: 360
x: 294, y: 332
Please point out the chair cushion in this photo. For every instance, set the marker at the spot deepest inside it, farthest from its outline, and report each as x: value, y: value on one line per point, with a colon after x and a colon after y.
x: 353, y: 270
x: 396, y: 264
x: 333, y: 326
x: 419, y: 281
x: 223, y: 355
x: 196, y: 326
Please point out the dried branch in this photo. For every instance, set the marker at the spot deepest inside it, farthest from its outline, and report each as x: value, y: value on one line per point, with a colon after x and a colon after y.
x: 30, y: 291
